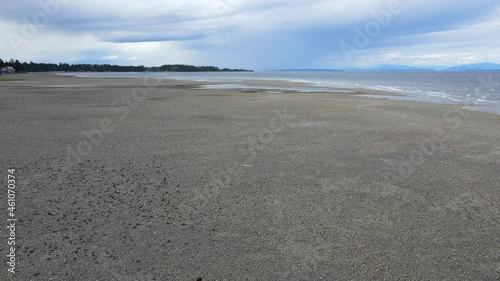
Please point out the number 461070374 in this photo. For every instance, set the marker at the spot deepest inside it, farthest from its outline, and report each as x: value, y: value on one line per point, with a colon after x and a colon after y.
x: 11, y: 179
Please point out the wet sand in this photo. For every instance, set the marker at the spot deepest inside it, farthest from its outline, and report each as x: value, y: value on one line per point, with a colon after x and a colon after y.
x: 130, y: 179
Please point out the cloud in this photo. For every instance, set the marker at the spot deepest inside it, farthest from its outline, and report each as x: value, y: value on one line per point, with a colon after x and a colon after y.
x: 254, y: 34
x: 112, y: 57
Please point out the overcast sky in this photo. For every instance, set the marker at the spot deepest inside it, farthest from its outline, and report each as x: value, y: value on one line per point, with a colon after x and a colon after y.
x: 257, y: 34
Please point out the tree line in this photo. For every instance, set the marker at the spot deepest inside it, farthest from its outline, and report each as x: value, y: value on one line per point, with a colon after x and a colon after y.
x: 23, y: 67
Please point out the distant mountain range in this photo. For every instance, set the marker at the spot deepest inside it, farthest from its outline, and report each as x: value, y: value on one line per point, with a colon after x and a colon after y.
x: 405, y: 68
x: 476, y: 67
x: 393, y: 67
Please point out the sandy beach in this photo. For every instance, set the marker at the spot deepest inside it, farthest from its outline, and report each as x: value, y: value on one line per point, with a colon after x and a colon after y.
x: 144, y: 179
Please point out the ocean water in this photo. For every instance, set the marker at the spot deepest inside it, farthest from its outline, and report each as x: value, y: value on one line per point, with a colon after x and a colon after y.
x: 474, y: 90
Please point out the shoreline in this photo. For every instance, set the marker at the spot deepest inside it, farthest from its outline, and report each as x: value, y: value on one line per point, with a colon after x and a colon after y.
x: 294, y: 86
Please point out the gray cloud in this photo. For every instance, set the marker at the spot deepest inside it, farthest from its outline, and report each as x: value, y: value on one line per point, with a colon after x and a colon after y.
x: 300, y: 33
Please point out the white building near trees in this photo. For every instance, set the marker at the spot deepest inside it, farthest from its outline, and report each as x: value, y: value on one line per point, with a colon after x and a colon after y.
x: 7, y: 69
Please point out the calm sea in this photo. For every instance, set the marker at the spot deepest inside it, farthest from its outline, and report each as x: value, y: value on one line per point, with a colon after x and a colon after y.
x: 475, y: 90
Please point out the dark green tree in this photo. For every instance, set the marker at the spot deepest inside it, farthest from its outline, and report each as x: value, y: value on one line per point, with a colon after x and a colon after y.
x: 18, y: 67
